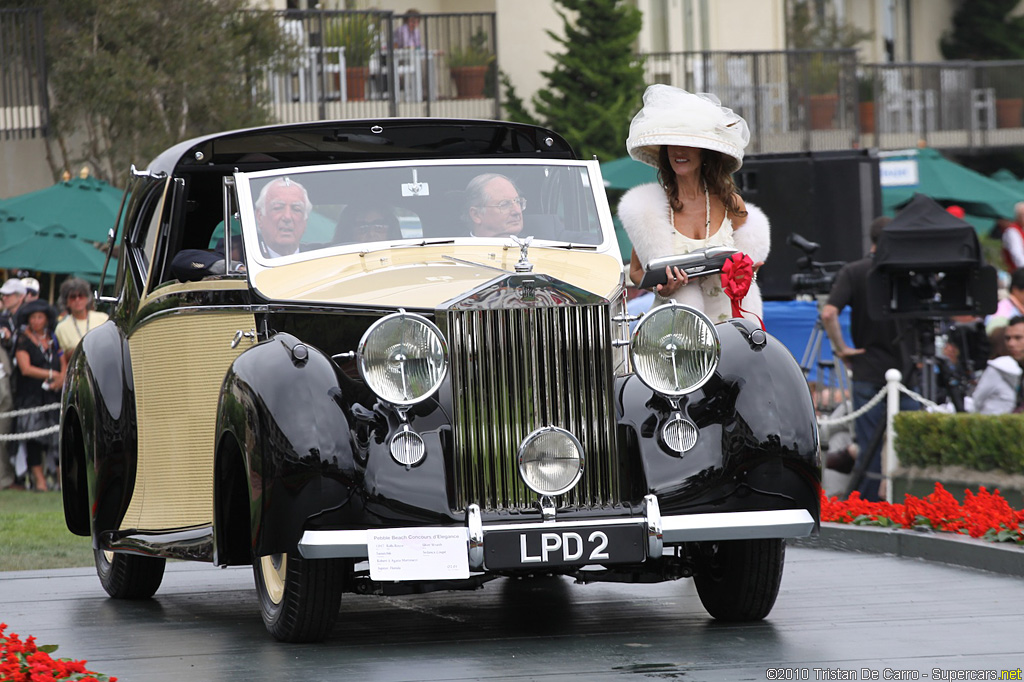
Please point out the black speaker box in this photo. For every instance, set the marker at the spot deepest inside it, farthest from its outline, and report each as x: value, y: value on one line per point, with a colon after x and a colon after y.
x: 826, y: 197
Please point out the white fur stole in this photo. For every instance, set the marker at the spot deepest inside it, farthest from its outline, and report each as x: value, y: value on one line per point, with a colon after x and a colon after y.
x: 643, y: 211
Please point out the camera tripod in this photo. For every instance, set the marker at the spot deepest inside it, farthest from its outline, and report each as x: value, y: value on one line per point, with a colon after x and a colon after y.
x: 830, y: 373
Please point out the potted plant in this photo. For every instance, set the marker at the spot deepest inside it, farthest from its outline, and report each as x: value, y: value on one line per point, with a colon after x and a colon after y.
x: 823, y: 81
x: 866, y: 103
x: 469, y: 66
x: 357, y: 34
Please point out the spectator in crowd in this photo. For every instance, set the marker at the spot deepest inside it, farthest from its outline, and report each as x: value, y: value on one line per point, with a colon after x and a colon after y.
x: 876, y: 350
x: 1011, y: 235
x: 13, y: 293
x: 7, y: 475
x: 1012, y: 304
x: 31, y: 289
x: 408, y: 32
x: 77, y: 299
x: 1014, y: 338
x: 41, y: 369
x: 996, y: 392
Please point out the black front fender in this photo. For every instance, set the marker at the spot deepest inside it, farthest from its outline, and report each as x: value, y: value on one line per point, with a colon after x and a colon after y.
x: 282, y: 404
x: 758, y: 440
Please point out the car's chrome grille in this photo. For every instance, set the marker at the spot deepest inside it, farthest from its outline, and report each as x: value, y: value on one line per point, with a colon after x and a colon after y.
x: 516, y: 370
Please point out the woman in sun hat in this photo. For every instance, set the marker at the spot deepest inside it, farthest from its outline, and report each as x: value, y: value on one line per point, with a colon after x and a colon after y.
x: 696, y: 144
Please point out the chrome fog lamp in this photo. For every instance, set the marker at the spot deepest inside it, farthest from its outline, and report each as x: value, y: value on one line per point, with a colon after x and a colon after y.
x: 679, y: 434
x: 550, y: 461
x: 407, y: 447
x: 674, y: 349
x: 403, y: 358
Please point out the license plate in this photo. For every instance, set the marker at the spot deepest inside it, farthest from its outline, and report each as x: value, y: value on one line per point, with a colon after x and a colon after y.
x: 564, y: 546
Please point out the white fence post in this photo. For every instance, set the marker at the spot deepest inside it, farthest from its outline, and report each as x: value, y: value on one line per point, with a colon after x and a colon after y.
x: 892, y: 406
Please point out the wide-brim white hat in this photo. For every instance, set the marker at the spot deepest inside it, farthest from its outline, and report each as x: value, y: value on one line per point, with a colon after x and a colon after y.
x: 672, y: 116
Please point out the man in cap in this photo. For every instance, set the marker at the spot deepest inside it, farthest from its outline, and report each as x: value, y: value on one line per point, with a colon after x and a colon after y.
x: 31, y: 289
x: 13, y: 295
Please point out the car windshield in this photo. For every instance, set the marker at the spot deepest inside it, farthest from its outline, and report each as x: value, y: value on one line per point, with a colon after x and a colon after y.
x: 310, y: 212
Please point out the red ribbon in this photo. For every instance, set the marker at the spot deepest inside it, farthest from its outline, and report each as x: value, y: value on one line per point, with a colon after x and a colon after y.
x: 737, y: 274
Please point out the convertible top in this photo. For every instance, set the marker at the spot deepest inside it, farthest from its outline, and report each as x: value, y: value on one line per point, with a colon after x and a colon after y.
x: 361, y: 140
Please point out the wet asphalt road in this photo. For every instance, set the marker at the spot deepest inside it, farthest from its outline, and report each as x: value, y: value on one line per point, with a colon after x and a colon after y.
x: 837, y: 611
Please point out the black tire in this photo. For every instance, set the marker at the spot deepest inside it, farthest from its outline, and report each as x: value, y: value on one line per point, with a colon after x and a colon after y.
x: 299, y: 598
x: 738, y: 580
x: 129, y: 576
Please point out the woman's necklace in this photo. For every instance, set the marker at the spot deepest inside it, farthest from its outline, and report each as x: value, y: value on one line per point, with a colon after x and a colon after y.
x: 707, y: 215
x: 81, y: 334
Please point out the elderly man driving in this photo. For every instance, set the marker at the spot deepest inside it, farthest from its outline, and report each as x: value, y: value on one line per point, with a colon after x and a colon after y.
x: 282, y: 209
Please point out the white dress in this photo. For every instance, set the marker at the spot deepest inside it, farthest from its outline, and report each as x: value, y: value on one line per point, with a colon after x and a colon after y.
x: 644, y: 212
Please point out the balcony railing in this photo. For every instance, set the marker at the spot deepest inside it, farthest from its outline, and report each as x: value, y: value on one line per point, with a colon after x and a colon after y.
x: 806, y: 100
x: 345, y: 64
x: 24, y: 111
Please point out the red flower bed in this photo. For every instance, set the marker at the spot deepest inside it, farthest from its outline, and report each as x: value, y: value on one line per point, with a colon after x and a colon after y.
x: 983, y: 515
x: 25, y: 662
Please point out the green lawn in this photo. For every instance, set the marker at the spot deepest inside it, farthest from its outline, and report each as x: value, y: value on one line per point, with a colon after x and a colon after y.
x: 33, y: 534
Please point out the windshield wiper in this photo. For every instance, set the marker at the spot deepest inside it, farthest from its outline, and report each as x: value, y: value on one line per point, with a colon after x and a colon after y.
x: 426, y: 242
x: 479, y: 265
x: 570, y: 245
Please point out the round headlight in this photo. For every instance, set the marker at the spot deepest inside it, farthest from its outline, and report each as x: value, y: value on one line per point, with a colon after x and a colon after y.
x: 403, y: 358
x: 674, y: 349
x: 551, y: 461
x: 407, y: 447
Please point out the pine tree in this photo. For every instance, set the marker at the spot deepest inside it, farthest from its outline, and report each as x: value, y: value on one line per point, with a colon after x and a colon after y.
x: 596, y: 84
x: 983, y: 29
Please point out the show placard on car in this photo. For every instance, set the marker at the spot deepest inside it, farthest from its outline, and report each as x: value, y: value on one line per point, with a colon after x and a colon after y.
x: 420, y: 554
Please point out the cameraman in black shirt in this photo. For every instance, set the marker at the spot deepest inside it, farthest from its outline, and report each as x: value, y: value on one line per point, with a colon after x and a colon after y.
x: 877, y: 348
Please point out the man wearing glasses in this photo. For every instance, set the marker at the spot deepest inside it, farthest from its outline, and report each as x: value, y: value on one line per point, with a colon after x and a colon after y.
x: 493, y: 206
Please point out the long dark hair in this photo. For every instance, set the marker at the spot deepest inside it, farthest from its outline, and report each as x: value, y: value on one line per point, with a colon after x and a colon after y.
x: 712, y: 171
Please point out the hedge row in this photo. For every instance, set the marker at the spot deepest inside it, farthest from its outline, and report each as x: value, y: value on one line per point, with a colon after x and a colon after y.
x: 974, y: 441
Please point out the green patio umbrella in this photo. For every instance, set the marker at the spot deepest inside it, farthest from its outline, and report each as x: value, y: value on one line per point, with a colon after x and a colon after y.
x: 15, y: 229
x: 946, y: 182
x: 1009, y: 179
x: 626, y: 173
x: 53, y: 249
x: 85, y: 206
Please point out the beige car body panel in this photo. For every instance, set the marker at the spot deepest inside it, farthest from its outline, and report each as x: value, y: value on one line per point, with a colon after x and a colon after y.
x: 422, y: 277
x: 176, y: 410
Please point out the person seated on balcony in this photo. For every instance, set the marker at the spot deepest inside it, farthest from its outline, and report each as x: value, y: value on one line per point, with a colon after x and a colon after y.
x: 366, y: 222
x: 408, y: 32
x: 696, y: 144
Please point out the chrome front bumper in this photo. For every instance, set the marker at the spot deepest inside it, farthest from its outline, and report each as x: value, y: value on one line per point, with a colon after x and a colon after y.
x: 661, y: 531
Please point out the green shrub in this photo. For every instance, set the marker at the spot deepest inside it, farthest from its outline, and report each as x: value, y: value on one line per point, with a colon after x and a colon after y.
x: 973, y: 441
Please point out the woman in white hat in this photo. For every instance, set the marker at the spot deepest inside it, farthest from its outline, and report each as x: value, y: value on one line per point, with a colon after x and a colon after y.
x: 696, y: 144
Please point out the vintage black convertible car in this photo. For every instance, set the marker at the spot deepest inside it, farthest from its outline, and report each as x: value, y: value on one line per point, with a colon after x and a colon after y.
x: 401, y: 405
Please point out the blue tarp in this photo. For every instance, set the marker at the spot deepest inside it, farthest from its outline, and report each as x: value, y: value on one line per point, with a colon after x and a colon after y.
x: 791, y: 322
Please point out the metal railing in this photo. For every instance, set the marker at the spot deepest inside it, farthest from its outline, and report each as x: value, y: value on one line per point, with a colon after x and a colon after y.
x: 809, y: 100
x: 345, y: 64
x: 792, y: 100
x: 24, y: 110
x: 962, y: 104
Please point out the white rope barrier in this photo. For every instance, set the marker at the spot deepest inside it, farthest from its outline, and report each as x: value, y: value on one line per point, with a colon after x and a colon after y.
x: 30, y: 435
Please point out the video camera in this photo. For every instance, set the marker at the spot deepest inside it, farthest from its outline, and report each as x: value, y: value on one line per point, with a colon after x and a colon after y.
x: 927, y: 265
x: 815, y: 278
